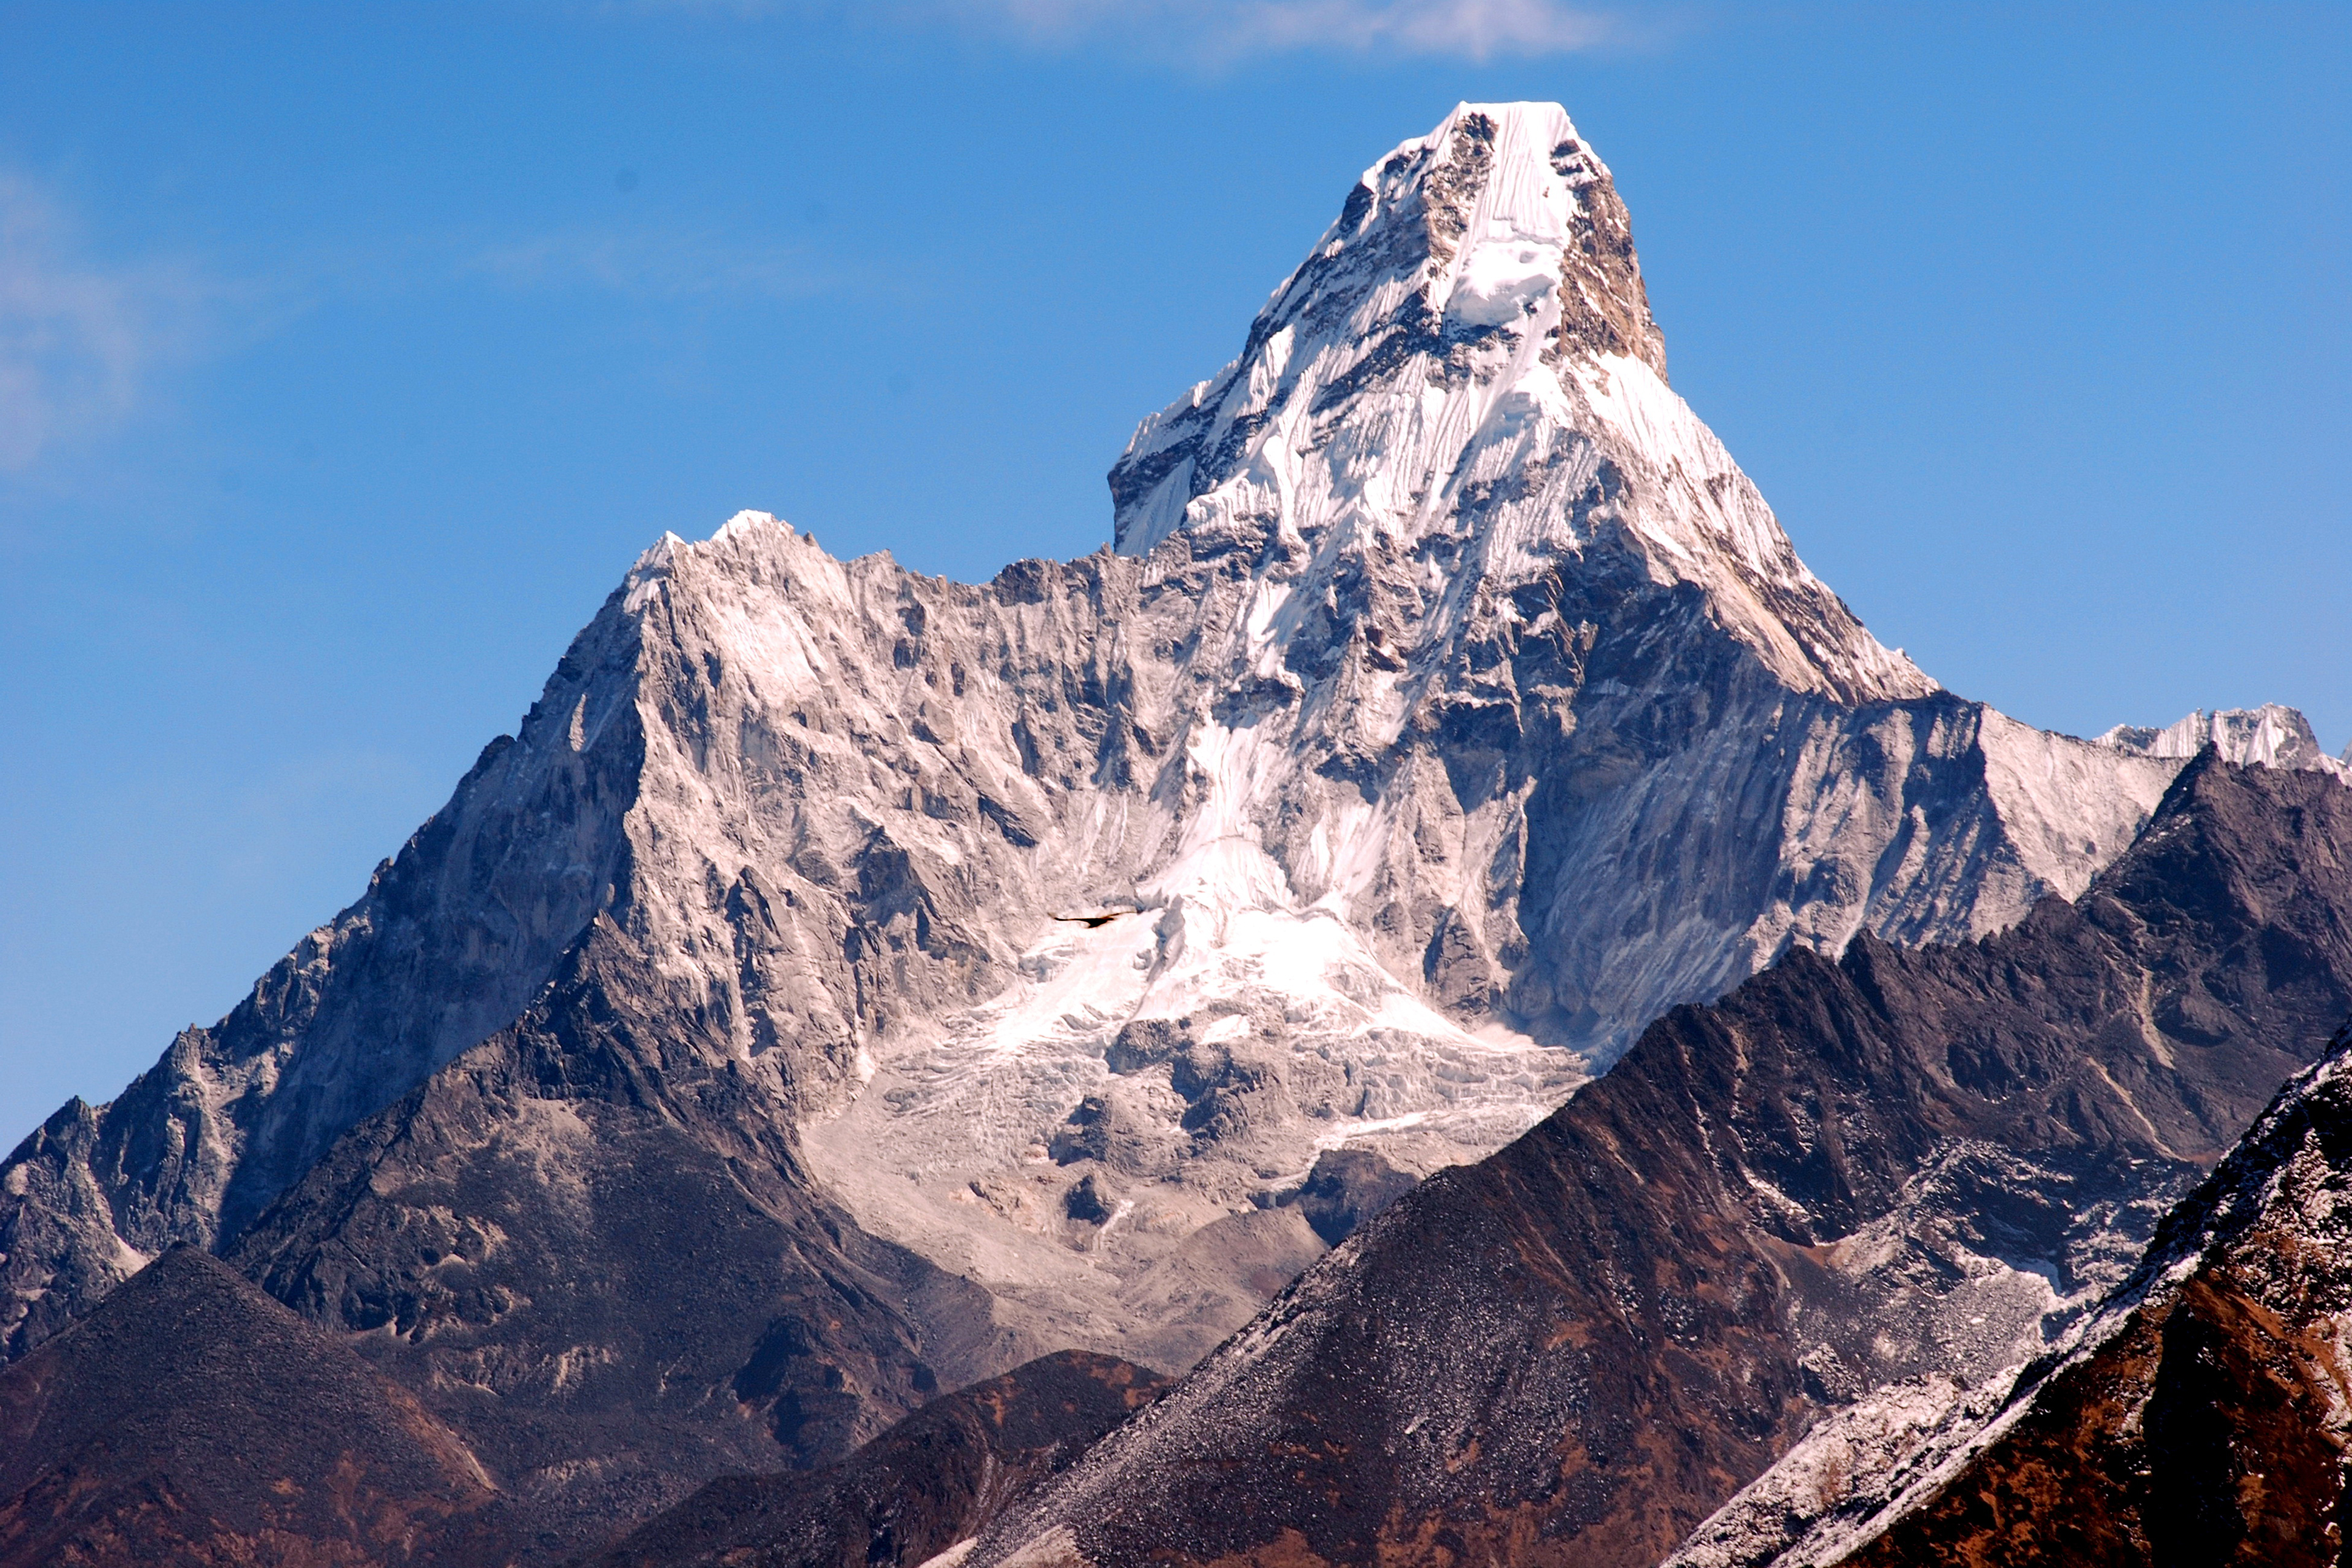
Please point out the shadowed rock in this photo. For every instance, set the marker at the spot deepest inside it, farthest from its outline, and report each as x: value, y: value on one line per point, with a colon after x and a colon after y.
x: 935, y: 1479
x: 191, y: 1418
x: 1346, y: 1188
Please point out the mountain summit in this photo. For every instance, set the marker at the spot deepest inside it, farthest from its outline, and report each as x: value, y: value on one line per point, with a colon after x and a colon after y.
x: 847, y: 983
x: 1464, y: 374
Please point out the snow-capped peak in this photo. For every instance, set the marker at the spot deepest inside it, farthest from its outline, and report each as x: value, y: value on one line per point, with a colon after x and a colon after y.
x: 1463, y: 380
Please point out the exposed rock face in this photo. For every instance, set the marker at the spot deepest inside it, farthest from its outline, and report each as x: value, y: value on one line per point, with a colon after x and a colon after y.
x: 991, y: 964
x: 2198, y: 1417
x: 936, y: 1479
x: 450, y: 942
x: 193, y: 1419
x: 1904, y: 1163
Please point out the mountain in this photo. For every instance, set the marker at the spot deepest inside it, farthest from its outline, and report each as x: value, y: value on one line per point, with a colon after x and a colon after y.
x: 2197, y: 1417
x: 935, y: 1479
x: 1902, y: 1164
x: 849, y: 983
x: 190, y: 1419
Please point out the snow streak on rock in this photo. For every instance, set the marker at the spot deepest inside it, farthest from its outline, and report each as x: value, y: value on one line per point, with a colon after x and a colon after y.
x: 1465, y: 371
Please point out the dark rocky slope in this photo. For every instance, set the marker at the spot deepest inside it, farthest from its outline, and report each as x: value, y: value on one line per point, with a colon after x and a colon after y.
x: 192, y: 1419
x: 935, y: 1479
x: 1839, y: 1175
x: 588, y: 1247
x: 2201, y: 1417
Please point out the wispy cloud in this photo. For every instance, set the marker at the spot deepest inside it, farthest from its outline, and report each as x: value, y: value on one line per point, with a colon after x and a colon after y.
x: 87, y: 341
x: 79, y: 339
x: 1225, y: 31
x: 662, y: 262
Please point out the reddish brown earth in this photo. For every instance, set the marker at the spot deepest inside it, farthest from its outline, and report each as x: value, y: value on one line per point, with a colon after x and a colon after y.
x: 191, y: 1419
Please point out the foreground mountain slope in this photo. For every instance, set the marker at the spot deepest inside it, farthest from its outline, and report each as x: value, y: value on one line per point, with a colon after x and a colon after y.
x: 193, y: 1419
x: 1899, y: 1163
x: 935, y: 1479
x: 2200, y: 1417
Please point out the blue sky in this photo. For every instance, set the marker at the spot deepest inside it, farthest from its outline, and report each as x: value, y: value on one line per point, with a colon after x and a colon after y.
x: 349, y: 353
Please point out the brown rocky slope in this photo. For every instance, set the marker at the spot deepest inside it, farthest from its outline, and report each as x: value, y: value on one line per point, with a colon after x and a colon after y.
x: 935, y: 1479
x: 2201, y: 1418
x: 1842, y: 1174
x: 193, y: 1419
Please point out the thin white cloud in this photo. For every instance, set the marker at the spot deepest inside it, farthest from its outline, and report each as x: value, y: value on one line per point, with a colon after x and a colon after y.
x: 1230, y: 30
x: 79, y: 338
x: 666, y: 264
x: 87, y: 342
x: 1225, y: 31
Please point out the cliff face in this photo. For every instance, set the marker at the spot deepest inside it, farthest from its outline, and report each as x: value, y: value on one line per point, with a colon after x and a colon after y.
x: 588, y: 1246
x: 1904, y: 1163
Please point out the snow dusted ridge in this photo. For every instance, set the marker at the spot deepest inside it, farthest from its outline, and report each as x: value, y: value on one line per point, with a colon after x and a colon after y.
x: 2267, y: 1229
x: 1451, y: 707
x: 1801, y: 1511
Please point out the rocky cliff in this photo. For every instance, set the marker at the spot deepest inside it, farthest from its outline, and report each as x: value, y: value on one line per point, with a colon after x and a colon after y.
x: 2198, y: 1417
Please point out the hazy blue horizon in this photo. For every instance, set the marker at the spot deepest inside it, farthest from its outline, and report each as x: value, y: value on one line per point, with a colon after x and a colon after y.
x: 348, y: 358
